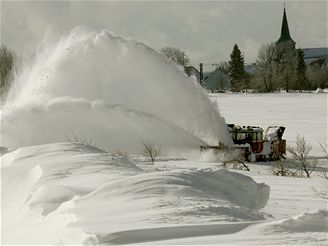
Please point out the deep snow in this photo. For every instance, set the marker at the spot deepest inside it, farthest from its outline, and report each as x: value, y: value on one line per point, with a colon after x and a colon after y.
x: 69, y: 187
x: 71, y: 193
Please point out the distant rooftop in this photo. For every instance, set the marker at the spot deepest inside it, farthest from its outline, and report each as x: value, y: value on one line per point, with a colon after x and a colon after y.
x: 315, y: 52
x: 316, y: 56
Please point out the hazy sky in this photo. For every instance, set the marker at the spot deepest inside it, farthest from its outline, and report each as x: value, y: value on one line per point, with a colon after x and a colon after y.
x: 206, y: 31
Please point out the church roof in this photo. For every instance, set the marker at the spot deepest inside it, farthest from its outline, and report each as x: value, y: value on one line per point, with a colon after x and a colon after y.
x: 285, y: 35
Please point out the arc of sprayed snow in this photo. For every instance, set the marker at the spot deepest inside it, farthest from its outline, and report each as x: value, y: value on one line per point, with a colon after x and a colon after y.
x: 125, y: 110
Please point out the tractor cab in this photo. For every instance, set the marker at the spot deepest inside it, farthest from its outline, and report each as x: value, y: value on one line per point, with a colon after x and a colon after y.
x: 252, y: 135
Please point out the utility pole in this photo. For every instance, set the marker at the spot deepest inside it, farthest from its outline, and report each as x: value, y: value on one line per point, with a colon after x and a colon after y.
x: 201, y: 74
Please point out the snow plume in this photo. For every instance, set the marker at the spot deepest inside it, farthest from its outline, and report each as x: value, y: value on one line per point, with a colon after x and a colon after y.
x: 117, y: 92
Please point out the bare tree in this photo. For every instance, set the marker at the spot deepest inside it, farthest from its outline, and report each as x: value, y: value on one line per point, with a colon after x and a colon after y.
x: 325, y: 150
x: 280, y: 66
x: 266, y: 68
x: 75, y: 139
x: 317, y: 76
x: 279, y: 169
x: 323, y: 192
x: 238, y: 164
x: 300, y: 153
x: 151, y: 150
x: 175, y: 55
x: 287, y: 65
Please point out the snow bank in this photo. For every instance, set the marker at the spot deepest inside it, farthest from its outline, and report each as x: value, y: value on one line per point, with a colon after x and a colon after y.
x: 40, y: 183
x: 71, y: 193
x: 308, y: 222
x: 117, y: 92
x: 173, y: 197
x: 319, y: 90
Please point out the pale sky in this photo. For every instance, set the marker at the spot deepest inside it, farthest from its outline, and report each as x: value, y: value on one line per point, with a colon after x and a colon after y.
x: 205, y: 30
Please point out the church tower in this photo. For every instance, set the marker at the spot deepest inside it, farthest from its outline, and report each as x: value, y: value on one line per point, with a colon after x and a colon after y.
x: 285, y: 35
x: 285, y: 43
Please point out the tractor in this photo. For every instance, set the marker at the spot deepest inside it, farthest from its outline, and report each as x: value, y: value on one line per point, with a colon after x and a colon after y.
x: 253, y: 144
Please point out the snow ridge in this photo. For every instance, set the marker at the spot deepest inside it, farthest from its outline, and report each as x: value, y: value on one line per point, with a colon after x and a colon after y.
x: 85, y: 192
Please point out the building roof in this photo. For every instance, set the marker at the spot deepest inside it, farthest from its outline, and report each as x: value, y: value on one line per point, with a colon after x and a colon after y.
x: 250, y: 68
x: 317, y: 56
x: 315, y: 52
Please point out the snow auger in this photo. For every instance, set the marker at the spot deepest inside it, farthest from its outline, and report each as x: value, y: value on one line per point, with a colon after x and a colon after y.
x: 253, y: 144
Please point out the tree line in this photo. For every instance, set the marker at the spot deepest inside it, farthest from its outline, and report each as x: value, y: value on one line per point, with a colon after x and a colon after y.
x: 275, y: 69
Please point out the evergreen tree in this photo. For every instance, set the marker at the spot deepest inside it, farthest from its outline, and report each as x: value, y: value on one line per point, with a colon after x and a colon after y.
x: 301, y: 71
x: 236, y: 69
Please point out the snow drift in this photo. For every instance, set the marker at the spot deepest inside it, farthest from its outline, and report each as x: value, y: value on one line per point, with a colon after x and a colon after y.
x: 73, y: 193
x: 308, y: 222
x: 118, y: 92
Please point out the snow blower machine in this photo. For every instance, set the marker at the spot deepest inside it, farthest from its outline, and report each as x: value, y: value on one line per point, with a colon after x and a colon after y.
x: 253, y: 144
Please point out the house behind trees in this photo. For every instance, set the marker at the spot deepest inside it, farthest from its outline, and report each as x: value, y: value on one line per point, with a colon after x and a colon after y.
x: 216, y: 81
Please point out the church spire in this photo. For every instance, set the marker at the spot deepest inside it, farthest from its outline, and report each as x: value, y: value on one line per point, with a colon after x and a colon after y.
x: 285, y: 35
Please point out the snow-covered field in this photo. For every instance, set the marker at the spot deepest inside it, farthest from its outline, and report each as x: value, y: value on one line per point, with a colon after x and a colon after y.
x: 301, y: 113
x: 59, y: 192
